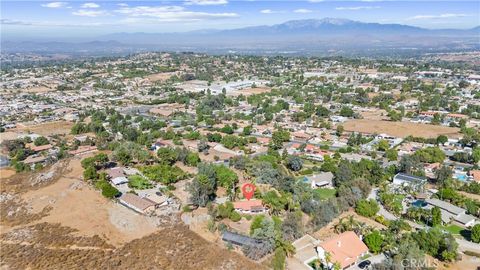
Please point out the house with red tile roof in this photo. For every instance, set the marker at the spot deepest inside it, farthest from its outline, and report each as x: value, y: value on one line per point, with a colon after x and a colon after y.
x: 475, y: 175
x: 345, y: 249
x: 249, y: 207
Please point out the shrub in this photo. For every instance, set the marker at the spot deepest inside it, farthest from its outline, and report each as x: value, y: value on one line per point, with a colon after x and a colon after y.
x: 235, y: 216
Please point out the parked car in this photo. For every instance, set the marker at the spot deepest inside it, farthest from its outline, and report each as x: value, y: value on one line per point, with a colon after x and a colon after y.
x: 365, y: 264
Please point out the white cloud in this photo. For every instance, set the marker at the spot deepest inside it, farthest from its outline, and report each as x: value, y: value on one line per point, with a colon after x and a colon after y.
x: 357, y: 8
x: 315, y: 1
x: 90, y: 13
x: 267, y: 11
x: 302, y: 10
x: 441, y: 16
x: 171, y: 13
x: 55, y: 5
x: 206, y: 2
x: 122, y: 5
x: 54, y: 24
x: 90, y: 5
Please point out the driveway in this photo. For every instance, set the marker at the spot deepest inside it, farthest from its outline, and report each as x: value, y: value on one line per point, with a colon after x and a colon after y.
x: 374, y: 259
x: 383, y: 212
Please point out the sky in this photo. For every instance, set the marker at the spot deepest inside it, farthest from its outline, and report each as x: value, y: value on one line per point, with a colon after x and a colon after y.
x: 81, y: 19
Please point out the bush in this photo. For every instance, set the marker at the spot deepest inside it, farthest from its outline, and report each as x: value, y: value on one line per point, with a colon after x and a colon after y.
x: 108, y: 190
x: 186, y: 209
x: 367, y: 208
x: 235, y: 216
x: 90, y: 173
x: 476, y: 233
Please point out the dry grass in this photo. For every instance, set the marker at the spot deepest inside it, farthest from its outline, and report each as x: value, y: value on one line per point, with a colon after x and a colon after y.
x: 160, y: 76
x: 66, y: 224
x: 46, y: 129
x: 172, y: 248
x: 400, y: 129
x: 250, y: 91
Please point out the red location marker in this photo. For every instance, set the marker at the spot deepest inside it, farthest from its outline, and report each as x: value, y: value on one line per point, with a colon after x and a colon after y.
x: 248, y: 190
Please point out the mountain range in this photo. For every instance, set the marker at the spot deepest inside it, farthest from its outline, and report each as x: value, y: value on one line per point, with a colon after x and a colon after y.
x: 310, y: 36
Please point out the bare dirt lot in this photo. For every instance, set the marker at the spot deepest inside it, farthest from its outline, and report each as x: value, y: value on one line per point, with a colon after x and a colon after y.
x: 6, y: 173
x: 160, y: 76
x: 46, y: 129
x: 250, y: 91
x: 54, y: 220
x: 400, y: 129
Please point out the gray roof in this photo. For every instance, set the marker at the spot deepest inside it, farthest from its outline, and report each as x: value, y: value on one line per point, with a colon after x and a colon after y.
x: 239, y: 239
x: 464, y: 218
x: 409, y: 178
x: 446, y: 206
x: 324, y: 176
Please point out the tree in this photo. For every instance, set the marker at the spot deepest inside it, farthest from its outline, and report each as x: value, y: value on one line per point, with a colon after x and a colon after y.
x: 192, y: 159
x: 391, y: 154
x: 442, y: 139
x: 292, y: 227
x: 346, y: 112
x: 476, y: 233
x: 436, y: 216
x: 374, y: 241
x: 367, y: 208
x: 430, y: 155
x: 167, y: 155
x: 383, y: 145
x: 279, y: 137
x: 294, y: 163
x: 339, y: 130
x: 202, y: 190
x: 443, y: 174
x: 225, y: 177
x: 109, y: 191
x: 278, y: 261
x: 90, y: 173
x: 476, y: 154
x: 40, y: 141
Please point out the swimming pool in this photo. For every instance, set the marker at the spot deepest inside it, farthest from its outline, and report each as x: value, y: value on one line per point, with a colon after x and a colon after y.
x: 460, y: 176
x: 419, y: 203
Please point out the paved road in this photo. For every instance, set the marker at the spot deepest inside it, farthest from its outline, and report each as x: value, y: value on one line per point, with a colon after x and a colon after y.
x: 383, y: 212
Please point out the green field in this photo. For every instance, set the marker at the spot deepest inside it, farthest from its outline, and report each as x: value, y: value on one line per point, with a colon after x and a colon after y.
x: 453, y: 229
x: 325, y: 193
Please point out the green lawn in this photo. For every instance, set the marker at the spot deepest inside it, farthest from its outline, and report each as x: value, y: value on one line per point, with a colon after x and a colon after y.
x: 453, y: 229
x: 325, y: 193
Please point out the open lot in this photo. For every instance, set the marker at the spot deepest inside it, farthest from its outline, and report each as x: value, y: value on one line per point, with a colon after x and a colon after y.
x: 400, y: 129
x: 160, y: 76
x: 46, y: 129
x: 250, y: 91
x: 63, y: 222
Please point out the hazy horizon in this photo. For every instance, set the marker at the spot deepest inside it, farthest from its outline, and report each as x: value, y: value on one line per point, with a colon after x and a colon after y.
x: 80, y: 20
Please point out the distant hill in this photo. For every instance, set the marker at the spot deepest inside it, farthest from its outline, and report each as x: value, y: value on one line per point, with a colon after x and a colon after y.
x: 312, y: 36
x: 318, y: 29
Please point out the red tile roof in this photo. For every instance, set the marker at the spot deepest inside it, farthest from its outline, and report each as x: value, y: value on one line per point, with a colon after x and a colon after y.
x: 345, y: 248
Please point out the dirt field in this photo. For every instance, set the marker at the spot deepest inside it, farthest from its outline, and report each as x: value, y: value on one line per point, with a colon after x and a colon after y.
x: 46, y: 129
x: 400, y: 129
x: 250, y: 91
x: 38, y: 89
x: 160, y: 76
x: 6, y: 173
x: 54, y: 220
